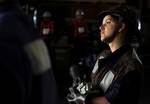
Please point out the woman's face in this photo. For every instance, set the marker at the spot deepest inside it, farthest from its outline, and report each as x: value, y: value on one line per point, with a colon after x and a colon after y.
x: 108, y: 28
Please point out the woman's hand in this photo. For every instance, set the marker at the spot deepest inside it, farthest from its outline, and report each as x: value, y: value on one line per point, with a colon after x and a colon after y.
x: 100, y: 100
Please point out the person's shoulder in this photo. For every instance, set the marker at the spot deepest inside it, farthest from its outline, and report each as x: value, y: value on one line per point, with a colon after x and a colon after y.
x: 130, y: 57
x: 134, y: 59
x: 104, y: 54
x: 133, y: 65
x: 130, y: 61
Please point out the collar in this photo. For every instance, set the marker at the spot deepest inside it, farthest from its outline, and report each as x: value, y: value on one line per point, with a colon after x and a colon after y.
x: 113, y: 58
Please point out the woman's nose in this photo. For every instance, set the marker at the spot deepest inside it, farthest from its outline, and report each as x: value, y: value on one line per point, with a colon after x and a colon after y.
x: 101, y: 27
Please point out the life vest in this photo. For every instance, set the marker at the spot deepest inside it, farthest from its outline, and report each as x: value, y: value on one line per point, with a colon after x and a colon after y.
x: 46, y: 28
x: 80, y: 28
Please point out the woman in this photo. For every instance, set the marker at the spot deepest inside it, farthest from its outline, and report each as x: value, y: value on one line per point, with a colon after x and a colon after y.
x: 117, y: 74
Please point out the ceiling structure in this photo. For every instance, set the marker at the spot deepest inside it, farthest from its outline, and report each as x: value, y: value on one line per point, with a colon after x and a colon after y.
x: 93, y: 1
x: 112, y: 1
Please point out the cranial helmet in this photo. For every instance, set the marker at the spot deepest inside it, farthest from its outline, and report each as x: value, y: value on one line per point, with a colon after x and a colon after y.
x: 130, y: 18
x: 129, y: 14
x: 79, y: 12
x: 47, y: 14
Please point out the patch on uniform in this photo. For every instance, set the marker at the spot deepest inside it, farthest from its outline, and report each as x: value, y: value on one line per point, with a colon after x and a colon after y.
x: 38, y: 55
x: 136, y: 56
x: 107, y: 80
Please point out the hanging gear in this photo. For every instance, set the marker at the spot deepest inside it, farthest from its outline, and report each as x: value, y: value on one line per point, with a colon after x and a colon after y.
x: 47, y: 26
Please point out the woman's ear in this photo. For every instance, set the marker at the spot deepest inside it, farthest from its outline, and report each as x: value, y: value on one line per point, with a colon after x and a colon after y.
x: 122, y: 27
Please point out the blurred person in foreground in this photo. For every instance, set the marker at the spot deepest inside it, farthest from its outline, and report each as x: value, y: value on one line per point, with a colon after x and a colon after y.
x: 118, y: 73
x: 26, y: 75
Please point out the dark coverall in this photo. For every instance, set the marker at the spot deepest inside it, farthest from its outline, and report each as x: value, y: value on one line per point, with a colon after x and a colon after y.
x: 118, y: 77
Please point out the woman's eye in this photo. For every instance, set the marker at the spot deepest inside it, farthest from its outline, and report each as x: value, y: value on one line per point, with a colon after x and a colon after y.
x: 108, y: 22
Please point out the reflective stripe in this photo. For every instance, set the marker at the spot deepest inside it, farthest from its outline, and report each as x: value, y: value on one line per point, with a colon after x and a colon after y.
x: 107, y: 80
x: 96, y: 65
x: 81, y: 30
x: 136, y: 56
x: 38, y: 55
x: 46, y: 31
